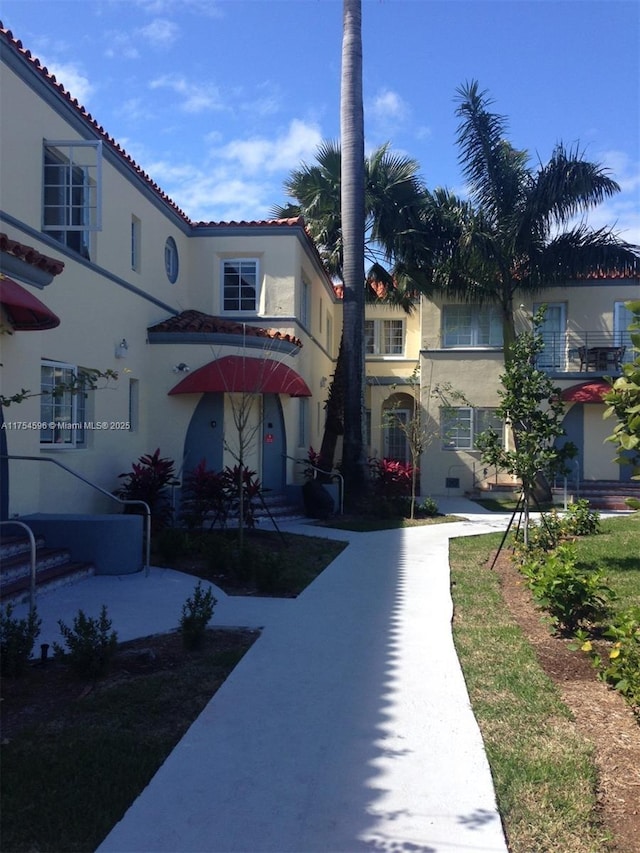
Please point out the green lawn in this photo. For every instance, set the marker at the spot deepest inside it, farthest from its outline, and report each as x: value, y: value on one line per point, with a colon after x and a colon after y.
x: 543, y: 769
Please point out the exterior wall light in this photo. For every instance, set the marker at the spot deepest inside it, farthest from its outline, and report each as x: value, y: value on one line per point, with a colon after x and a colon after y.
x: 122, y: 348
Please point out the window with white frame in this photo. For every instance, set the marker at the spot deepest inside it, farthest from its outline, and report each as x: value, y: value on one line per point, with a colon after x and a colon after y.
x: 461, y: 426
x: 63, y: 405
x: 471, y: 326
x: 72, y: 193
x: 384, y: 337
x: 240, y: 285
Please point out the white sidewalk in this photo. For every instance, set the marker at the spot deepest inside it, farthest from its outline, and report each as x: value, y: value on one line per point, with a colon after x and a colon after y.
x: 346, y: 727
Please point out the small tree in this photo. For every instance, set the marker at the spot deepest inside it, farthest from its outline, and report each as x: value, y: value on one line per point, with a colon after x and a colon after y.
x: 623, y: 401
x: 533, y: 408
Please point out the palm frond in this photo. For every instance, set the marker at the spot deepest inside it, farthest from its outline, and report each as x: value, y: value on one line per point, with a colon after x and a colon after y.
x: 566, y: 186
x: 582, y: 252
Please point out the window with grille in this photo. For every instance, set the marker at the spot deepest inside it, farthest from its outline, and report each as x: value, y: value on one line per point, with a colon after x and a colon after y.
x: 240, y: 285
x: 384, y: 337
x: 72, y: 193
x: 471, y: 326
x: 460, y: 427
x: 63, y: 405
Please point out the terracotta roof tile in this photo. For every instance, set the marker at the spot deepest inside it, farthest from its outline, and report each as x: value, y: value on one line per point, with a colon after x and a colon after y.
x: 198, y: 322
x: 30, y: 255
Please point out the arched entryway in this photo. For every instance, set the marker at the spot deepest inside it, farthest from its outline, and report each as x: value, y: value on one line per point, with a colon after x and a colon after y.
x: 216, y: 424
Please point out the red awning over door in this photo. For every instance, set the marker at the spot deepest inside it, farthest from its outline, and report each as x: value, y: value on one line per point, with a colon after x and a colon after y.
x: 26, y: 312
x: 586, y: 392
x: 235, y: 373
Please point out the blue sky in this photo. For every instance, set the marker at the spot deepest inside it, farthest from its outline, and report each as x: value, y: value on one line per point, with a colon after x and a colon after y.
x: 219, y: 99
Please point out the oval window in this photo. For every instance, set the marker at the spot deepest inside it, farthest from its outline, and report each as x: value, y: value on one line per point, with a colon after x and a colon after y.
x: 171, y: 259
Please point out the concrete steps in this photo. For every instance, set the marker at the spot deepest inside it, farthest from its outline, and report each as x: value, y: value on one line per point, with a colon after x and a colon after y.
x: 54, y: 567
x: 603, y: 494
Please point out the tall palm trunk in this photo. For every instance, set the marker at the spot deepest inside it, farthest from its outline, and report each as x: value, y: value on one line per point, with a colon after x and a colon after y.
x: 353, y: 227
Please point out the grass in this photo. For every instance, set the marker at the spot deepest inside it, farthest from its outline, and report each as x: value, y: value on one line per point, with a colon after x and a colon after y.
x: 67, y: 781
x: 270, y: 564
x: 616, y: 549
x: 543, y: 770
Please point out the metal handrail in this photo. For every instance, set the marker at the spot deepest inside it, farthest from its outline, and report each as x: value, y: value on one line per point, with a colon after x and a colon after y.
x: 32, y: 545
x: 123, y: 501
x: 322, y: 471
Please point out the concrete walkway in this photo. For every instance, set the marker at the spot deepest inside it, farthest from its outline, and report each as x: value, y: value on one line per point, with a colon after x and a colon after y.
x: 346, y: 727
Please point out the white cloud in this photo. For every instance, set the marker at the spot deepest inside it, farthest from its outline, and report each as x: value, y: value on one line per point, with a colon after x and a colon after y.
x: 207, y: 8
x: 160, y: 32
x: 260, y: 154
x: 195, y: 98
x: 73, y: 79
x: 121, y: 46
x: 241, y: 179
x: 388, y: 107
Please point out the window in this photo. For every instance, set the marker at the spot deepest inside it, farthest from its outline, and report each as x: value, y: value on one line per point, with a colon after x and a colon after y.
x: 384, y: 337
x: 304, y: 303
x: 329, y: 334
x: 63, y: 406
x: 303, y: 418
x: 71, y: 193
x: 240, y: 285
x: 134, y: 404
x: 136, y: 226
x: 396, y: 445
x: 471, y: 326
x: 622, y: 319
x: 460, y: 427
x: 171, y: 260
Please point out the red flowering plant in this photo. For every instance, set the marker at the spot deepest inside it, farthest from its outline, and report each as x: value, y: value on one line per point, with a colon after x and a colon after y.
x: 391, y: 478
x: 204, y: 494
x: 148, y: 481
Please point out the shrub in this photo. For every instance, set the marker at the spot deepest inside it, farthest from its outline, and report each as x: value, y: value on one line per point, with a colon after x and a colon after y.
x: 90, y: 643
x: 17, y: 638
x: 621, y: 666
x: 427, y: 508
x: 391, y: 478
x: 196, y: 615
x: 572, y: 597
x: 204, y: 492
x: 270, y: 573
x: 580, y: 520
x: 148, y: 481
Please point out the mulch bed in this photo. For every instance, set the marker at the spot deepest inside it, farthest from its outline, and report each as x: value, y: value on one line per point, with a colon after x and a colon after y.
x: 601, y: 714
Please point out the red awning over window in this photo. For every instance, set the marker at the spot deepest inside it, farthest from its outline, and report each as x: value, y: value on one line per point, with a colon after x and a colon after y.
x: 26, y: 312
x: 240, y: 374
x: 586, y: 392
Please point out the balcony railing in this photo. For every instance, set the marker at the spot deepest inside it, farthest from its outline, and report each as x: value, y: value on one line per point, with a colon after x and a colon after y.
x: 585, y: 352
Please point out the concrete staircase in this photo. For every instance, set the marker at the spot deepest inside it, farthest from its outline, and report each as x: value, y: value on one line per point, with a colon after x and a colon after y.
x: 54, y: 567
x: 603, y: 494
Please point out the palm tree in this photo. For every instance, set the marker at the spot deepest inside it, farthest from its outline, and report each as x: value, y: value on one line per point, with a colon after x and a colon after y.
x: 394, y: 196
x: 515, y: 233
x: 353, y: 227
